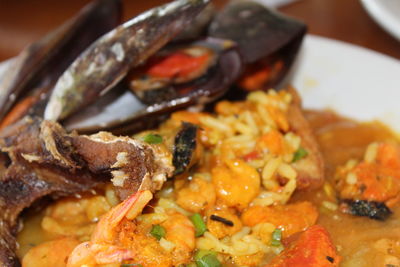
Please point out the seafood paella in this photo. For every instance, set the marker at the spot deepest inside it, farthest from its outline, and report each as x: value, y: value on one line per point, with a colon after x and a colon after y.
x: 158, y: 142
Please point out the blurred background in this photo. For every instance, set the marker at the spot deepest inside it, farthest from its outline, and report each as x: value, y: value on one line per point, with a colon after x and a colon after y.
x: 24, y: 21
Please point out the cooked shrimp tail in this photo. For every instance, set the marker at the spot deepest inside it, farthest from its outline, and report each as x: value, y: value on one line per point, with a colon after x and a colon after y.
x: 129, y: 208
x: 98, y: 250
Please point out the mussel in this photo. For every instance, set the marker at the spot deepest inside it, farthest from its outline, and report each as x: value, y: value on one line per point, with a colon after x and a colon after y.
x: 268, y: 41
x: 32, y: 74
x: 152, y: 98
x: 112, y: 85
x: 364, y: 208
x: 184, y: 145
x: 107, y: 61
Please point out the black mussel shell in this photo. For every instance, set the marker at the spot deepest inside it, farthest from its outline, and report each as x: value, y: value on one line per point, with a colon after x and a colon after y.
x: 268, y: 40
x: 173, y: 71
x: 184, y: 147
x: 108, y: 60
x: 198, y: 28
x: 371, y: 209
x: 34, y: 72
x: 120, y: 111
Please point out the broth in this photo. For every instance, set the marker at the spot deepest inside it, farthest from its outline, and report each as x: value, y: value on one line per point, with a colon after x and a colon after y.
x: 360, y: 241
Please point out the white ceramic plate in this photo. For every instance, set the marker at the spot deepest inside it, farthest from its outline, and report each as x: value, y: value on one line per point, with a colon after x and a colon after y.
x: 351, y: 80
x: 386, y: 13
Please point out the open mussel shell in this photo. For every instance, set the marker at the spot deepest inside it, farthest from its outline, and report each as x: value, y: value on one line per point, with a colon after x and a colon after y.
x: 185, y: 144
x: 173, y: 71
x: 34, y: 72
x: 199, y: 26
x: 120, y: 111
x: 101, y: 66
x: 268, y: 41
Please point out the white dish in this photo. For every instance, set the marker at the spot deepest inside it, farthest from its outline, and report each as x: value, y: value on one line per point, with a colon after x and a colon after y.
x: 354, y: 81
x: 386, y: 13
x: 4, y: 67
x: 351, y: 80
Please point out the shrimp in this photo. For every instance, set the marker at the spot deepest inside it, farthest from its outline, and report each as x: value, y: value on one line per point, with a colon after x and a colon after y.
x: 376, y: 178
x: 104, y: 247
x: 75, y: 217
x: 49, y: 254
x: 236, y: 183
x: 197, y: 195
x: 220, y: 230
x: 272, y: 141
x: 180, y: 232
x: 122, y: 236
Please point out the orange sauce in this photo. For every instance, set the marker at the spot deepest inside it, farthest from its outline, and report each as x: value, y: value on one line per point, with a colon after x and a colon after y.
x: 360, y: 241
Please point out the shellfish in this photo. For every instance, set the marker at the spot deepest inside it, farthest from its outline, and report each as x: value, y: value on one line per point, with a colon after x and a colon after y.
x: 245, y: 43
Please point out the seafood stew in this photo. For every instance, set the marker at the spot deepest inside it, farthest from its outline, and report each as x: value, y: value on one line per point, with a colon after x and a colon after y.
x: 40, y: 159
x: 250, y: 179
x: 270, y: 221
x: 231, y: 207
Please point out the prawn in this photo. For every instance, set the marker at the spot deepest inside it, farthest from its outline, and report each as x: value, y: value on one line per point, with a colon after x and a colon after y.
x: 51, y: 253
x: 236, y: 183
x: 101, y: 249
x: 197, y: 196
x: 375, y: 178
x: 75, y: 217
x: 181, y: 233
x: 122, y: 236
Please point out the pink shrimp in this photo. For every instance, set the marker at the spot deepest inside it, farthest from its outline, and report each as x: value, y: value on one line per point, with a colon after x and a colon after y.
x: 104, y: 248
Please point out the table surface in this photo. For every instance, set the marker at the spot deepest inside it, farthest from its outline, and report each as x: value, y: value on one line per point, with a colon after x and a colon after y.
x: 24, y: 21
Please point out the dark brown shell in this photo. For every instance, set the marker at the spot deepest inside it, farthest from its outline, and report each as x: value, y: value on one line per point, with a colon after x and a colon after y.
x: 184, y: 147
x: 121, y: 111
x: 40, y: 64
x: 101, y: 66
x: 264, y: 36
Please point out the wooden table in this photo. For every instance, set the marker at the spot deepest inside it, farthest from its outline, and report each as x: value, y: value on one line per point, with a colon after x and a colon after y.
x: 24, y: 21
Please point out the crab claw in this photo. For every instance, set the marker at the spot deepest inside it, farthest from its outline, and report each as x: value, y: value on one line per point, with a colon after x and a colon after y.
x: 109, y: 59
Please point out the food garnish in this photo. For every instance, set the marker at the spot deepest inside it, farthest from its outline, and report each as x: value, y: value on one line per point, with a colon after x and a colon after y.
x: 153, y: 139
x: 204, y: 258
x: 199, y: 224
x: 299, y: 154
x: 157, y: 231
x: 276, y: 237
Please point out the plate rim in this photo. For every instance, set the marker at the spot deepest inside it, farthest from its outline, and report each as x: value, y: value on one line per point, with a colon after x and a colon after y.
x: 390, y: 23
